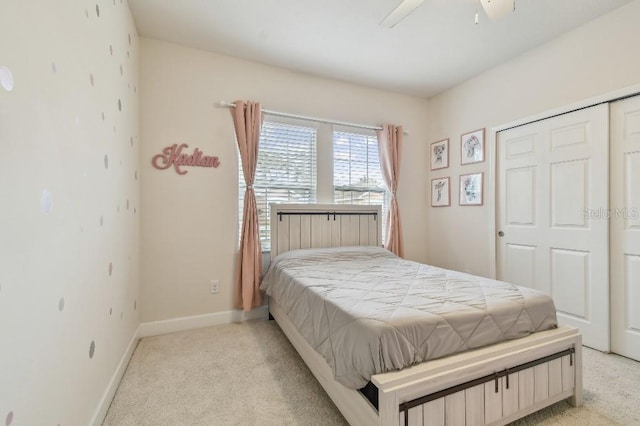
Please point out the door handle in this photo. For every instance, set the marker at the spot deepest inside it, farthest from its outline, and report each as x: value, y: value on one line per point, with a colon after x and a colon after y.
x: 500, y: 234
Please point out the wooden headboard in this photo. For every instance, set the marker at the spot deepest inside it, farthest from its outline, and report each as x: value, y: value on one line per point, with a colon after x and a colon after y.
x: 297, y: 226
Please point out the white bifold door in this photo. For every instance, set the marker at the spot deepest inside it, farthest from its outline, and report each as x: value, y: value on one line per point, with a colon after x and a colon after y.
x: 553, y: 194
x: 625, y: 227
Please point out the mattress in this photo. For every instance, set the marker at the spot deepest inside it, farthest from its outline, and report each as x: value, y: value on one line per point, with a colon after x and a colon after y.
x: 367, y: 311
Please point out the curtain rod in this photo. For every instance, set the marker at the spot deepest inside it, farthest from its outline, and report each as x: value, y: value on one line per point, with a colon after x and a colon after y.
x: 224, y: 104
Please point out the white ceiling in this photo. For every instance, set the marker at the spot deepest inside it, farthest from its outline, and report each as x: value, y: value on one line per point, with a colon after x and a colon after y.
x: 433, y: 49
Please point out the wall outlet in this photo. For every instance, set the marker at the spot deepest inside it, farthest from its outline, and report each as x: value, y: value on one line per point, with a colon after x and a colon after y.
x: 215, y: 286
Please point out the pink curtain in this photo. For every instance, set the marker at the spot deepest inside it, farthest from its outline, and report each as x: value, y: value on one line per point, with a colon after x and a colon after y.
x: 247, y: 120
x: 389, y: 147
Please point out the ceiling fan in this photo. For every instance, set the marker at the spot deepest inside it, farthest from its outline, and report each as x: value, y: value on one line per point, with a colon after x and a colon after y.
x: 495, y: 9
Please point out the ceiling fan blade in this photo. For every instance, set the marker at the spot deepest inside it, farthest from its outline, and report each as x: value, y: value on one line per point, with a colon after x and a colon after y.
x: 497, y: 9
x: 403, y: 10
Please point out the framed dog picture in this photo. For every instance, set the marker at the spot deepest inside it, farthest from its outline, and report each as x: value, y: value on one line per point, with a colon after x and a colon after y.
x: 440, y: 154
x: 472, y: 147
x: 471, y: 189
x: 440, y: 192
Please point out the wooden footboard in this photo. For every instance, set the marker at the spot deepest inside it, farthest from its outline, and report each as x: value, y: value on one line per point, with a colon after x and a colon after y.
x: 500, y: 397
x: 487, y: 386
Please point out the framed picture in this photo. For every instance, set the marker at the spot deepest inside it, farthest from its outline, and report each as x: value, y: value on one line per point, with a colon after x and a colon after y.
x: 472, y: 147
x: 471, y: 189
x: 440, y: 192
x: 440, y: 155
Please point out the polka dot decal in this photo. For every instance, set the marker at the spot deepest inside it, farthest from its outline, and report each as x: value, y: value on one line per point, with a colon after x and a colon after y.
x: 106, y: 161
x: 92, y: 349
x: 46, y: 201
x: 6, y: 79
x: 9, y: 419
x: 61, y: 304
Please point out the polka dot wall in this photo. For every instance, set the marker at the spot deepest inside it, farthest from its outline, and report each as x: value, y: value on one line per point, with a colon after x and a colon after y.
x: 69, y: 219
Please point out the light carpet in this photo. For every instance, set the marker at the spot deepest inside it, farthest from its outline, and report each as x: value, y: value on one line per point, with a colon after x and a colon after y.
x: 249, y: 374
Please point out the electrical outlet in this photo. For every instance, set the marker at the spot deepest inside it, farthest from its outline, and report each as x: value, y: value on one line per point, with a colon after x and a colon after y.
x: 215, y: 286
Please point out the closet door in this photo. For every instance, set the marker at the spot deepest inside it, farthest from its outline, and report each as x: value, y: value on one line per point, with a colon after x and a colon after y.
x: 625, y: 227
x: 552, y: 177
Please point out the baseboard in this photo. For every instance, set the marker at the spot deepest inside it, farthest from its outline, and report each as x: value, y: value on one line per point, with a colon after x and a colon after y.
x: 155, y: 328
x: 109, y: 393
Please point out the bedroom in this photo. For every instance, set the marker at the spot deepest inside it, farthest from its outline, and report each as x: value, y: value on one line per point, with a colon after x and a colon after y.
x: 99, y: 248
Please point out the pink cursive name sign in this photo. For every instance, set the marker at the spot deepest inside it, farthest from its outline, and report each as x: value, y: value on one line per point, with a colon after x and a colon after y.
x: 173, y: 156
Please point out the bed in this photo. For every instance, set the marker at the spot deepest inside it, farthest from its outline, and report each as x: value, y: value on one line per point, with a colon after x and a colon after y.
x: 443, y: 361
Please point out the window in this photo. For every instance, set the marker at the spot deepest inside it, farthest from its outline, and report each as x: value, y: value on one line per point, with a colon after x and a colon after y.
x: 288, y: 169
x: 285, y: 173
x: 357, y: 178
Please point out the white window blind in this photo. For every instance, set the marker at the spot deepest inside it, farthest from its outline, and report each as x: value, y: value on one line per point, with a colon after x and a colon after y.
x: 285, y: 173
x: 357, y: 178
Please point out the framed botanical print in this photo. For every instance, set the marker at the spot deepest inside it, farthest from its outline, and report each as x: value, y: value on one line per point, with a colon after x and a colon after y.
x: 472, y: 147
x: 471, y: 189
x: 440, y: 192
x: 440, y: 154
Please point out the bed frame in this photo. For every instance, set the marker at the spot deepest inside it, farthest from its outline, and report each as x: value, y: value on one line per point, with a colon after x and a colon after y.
x: 493, y: 385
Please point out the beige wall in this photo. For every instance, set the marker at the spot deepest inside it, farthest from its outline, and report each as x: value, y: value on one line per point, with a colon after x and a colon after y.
x: 597, y: 58
x: 58, y: 297
x: 190, y: 223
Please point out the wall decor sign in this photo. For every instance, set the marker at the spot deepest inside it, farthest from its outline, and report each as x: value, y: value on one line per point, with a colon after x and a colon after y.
x: 472, y: 147
x: 173, y: 156
x: 440, y: 155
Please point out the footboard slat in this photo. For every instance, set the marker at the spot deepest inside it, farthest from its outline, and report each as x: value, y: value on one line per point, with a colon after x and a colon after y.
x: 433, y: 412
x: 555, y: 377
x: 510, y: 392
x: 493, y: 402
x: 454, y: 409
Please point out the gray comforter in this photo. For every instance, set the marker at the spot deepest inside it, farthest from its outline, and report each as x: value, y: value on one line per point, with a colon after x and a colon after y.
x: 367, y: 311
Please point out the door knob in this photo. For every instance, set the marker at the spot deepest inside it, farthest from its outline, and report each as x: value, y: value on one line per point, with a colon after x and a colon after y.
x: 500, y: 234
